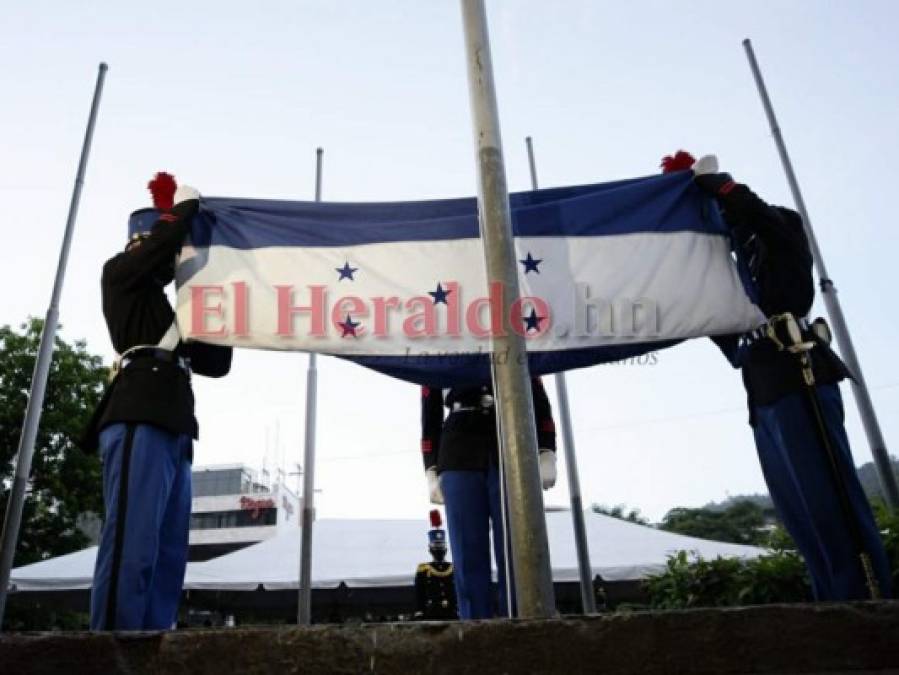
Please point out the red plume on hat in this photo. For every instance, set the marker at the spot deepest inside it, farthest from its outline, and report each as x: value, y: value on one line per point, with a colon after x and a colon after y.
x: 163, y: 187
x: 680, y: 161
x: 436, y: 521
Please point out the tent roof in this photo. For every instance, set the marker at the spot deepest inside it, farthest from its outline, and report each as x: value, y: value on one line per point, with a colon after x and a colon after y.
x: 66, y: 572
x: 364, y: 553
x: 367, y: 553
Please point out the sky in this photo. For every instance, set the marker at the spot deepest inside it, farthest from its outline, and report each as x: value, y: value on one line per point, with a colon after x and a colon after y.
x: 234, y: 100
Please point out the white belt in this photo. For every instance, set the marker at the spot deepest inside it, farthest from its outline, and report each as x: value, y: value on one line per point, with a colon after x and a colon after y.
x: 168, y: 342
x: 761, y: 333
x: 486, y: 404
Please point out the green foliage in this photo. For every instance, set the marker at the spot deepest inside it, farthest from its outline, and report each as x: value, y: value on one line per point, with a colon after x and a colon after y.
x: 621, y: 512
x: 692, y: 581
x: 27, y: 614
x: 888, y: 522
x: 781, y: 576
x: 740, y: 523
x: 64, y: 481
x: 779, y: 540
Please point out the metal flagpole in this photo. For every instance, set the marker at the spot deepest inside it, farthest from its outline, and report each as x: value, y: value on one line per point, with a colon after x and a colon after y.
x: 834, y: 311
x: 504, y: 511
x: 304, y: 607
x: 530, y: 549
x: 16, y: 501
x: 588, y: 599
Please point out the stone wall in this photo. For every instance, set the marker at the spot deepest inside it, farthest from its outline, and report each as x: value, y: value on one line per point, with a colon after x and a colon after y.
x: 837, y: 638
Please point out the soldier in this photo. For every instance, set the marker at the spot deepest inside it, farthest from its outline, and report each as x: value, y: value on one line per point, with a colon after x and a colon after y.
x: 145, y: 423
x: 461, y: 464
x: 791, y: 377
x: 435, y: 593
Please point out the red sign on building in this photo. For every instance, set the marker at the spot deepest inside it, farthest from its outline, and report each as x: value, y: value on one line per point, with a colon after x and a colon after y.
x: 256, y: 505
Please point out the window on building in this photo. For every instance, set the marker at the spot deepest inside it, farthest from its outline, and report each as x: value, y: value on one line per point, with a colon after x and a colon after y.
x: 216, y: 483
x: 218, y: 520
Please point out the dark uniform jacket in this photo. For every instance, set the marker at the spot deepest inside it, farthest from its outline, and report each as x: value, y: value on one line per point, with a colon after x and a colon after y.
x: 466, y: 439
x: 773, y: 243
x: 435, y: 592
x: 137, y: 312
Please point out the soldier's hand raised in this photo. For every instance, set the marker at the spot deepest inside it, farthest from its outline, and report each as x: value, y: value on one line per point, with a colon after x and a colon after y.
x: 186, y: 192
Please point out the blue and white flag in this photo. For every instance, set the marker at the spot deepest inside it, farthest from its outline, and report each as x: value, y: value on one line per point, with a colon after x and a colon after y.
x: 606, y: 272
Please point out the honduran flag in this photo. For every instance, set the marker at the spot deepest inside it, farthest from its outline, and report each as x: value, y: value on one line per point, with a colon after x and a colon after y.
x: 605, y: 271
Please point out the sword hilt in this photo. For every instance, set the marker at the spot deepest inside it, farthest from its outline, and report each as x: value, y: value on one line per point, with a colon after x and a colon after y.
x: 786, y: 334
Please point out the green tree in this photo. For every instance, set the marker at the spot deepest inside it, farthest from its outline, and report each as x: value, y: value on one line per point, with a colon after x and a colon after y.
x: 65, y: 482
x: 621, y: 512
x: 741, y: 523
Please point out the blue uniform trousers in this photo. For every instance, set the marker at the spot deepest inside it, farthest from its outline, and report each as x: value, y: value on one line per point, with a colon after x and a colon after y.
x: 801, y: 485
x: 472, y: 500
x: 143, y: 545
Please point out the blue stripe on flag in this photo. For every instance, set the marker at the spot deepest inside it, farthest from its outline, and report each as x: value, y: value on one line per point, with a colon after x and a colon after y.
x: 664, y: 203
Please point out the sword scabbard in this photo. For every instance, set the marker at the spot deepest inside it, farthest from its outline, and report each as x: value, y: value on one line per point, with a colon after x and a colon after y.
x: 870, y: 579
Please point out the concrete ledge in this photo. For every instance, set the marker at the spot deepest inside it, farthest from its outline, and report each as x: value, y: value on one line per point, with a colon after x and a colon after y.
x: 837, y: 638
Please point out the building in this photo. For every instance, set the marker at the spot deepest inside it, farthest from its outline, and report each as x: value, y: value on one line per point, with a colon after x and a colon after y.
x: 233, y: 507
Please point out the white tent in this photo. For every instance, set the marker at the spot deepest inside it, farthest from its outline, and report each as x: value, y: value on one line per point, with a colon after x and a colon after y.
x: 369, y: 553
x: 67, y: 572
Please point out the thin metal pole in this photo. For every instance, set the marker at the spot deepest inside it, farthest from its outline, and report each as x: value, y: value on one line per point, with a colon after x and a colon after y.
x: 503, y: 506
x: 532, y: 164
x: 530, y: 549
x: 585, y: 571
x: 834, y: 311
x: 304, y: 607
x: 16, y: 501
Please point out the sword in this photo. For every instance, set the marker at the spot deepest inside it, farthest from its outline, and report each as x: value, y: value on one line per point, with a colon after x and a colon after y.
x: 784, y: 331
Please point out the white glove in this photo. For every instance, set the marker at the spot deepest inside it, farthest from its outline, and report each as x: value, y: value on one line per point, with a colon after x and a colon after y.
x: 547, y: 468
x: 185, y: 192
x: 434, y: 486
x: 705, y: 164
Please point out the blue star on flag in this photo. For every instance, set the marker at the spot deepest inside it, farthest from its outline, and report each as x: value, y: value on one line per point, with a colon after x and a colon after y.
x: 530, y: 263
x: 440, y: 294
x: 346, y: 272
x: 349, y: 326
x: 532, y: 322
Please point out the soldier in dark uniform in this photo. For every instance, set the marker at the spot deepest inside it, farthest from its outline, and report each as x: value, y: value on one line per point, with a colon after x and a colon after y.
x: 145, y: 424
x: 461, y: 463
x: 805, y: 487
x: 435, y: 593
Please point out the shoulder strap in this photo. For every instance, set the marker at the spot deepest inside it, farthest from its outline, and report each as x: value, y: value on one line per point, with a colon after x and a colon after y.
x: 172, y: 337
